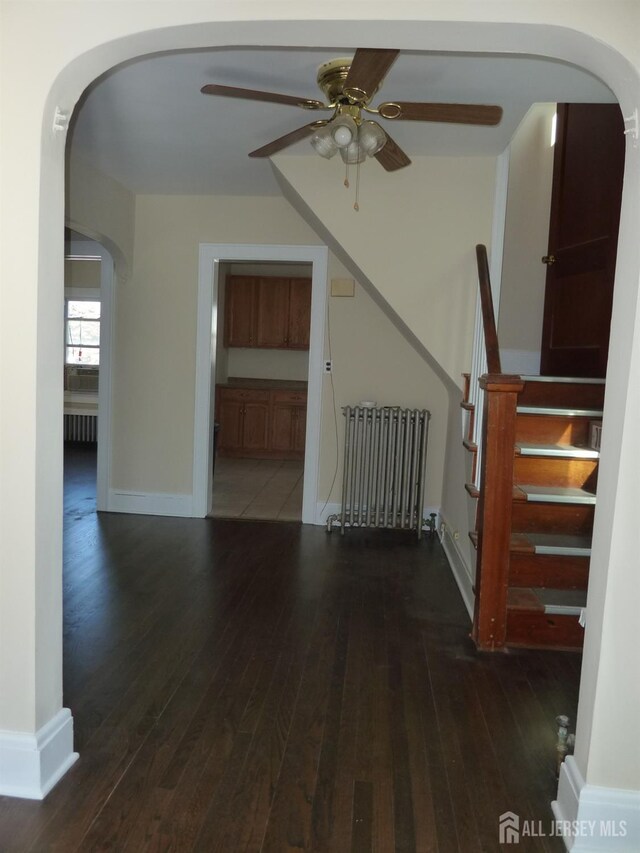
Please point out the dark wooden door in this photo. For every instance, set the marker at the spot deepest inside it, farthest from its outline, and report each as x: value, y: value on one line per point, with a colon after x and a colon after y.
x: 583, y: 235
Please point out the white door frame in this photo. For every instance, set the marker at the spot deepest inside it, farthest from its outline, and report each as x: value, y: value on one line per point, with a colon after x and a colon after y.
x: 211, y: 255
x: 91, y: 248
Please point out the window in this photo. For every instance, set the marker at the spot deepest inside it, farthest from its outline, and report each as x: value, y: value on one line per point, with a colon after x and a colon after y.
x: 82, y: 331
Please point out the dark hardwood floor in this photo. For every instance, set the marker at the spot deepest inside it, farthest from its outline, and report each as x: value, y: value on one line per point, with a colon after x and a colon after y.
x: 255, y: 686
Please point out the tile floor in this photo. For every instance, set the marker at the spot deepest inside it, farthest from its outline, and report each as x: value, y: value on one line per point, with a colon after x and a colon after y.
x: 268, y: 489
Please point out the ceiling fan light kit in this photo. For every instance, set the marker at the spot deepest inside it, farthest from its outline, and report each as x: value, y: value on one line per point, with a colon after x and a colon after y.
x: 371, y: 137
x: 349, y: 86
x: 323, y: 142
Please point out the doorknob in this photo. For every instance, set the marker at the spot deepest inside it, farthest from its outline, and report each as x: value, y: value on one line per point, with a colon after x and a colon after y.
x: 549, y: 260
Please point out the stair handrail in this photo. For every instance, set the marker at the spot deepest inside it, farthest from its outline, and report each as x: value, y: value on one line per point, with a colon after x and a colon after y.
x: 488, y: 316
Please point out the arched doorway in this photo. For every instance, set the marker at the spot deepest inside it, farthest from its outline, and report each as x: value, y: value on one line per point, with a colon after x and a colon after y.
x: 35, y: 515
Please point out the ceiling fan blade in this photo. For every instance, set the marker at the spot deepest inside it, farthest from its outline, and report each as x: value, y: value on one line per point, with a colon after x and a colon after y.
x: 367, y: 72
x: 391, y: 157
x: 286, y: 140
x: 255, y: 95
x: 455, y: 113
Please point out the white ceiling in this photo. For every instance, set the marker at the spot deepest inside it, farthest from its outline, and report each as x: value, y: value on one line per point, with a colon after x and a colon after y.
x: 146, y: 124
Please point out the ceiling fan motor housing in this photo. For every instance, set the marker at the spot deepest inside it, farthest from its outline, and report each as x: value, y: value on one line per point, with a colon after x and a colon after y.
x: 332, y: 76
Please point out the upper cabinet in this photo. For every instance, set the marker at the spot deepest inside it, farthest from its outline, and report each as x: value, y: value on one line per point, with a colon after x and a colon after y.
x: 268, y: 312
x: 299, y: 313
x: 273, y: 312
x: 241, y: 311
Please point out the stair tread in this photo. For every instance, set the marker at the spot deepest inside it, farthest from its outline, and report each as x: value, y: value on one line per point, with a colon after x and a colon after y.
x: 572, y: 380
x: 560, y: 543
x: 472, y: 489
x: 556, y: 494
x: 560, y: 411
x: 568, y: 602
x: 565, y: 451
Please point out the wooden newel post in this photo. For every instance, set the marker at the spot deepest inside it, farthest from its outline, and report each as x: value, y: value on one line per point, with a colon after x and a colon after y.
x: 494, y: 509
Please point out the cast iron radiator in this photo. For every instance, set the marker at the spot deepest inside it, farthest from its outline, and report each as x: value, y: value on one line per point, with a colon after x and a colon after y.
x: 80, y: 427
x: 383, y: 483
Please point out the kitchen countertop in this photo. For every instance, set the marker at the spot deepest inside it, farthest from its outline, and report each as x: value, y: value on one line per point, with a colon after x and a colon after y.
x: 264, y: 384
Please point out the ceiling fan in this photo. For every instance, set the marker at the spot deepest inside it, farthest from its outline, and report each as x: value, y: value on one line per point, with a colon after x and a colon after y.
x: 349, y: 85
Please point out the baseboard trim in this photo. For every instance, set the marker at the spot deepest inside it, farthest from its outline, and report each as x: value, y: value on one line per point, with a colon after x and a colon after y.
x: 150, y: 503
x: 33, y: 763
x: 603, y: 809
x: 459, y: 569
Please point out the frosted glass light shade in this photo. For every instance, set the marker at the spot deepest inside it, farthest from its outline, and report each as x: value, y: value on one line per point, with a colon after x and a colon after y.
x: 323, y: 143
x: 344, y: 130
x: 371, y: 137
x: 353, y: 153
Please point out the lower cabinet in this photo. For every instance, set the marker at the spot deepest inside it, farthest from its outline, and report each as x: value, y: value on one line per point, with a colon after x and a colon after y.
x: 289, y: 422
x: 261, y: 423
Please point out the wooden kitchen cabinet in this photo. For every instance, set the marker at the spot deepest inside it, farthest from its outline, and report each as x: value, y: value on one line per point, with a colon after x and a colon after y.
x: 263, y: 424
x: 299, y: 313
x: 241, y: 311
x: 243, y: 415
x: 289, y: 423
x: 300, y: 431
x: 268, y: 312
x: 273, y: 313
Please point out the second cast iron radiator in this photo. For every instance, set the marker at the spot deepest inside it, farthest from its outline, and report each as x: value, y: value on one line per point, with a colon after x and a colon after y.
x: 385, y: 454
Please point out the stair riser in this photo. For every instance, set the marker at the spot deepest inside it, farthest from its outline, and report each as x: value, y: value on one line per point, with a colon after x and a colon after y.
x: 558, y: 572
x: 540, y: 630
x: 548, y: 471
x: 529, y: 517
x: 552, y: 429
x: 561, y: 394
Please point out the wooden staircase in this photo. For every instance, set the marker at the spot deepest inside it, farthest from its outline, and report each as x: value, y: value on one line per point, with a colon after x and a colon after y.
x: 535, y: 508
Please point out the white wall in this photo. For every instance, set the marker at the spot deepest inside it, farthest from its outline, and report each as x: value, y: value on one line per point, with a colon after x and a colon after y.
x: 101, y: 208
x: 413, y: 239
x: 155, y: 344
x: 268, y: 363
x: 373, y: 361
x: 525, y: 241
x: 155, y: 328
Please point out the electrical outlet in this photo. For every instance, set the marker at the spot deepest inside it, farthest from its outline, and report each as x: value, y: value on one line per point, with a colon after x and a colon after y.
x: 456, y: 534
x: 328, y: 367
x: 443, y: 528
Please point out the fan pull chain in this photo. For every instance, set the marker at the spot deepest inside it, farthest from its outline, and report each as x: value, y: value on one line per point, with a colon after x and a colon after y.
x: 346, y: 176
x: 356, y: 206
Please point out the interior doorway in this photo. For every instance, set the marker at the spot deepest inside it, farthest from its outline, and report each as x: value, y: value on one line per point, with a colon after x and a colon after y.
x: 213, y: 258
x: 89, y: 277
x: 261, y: 386
x: 583, y: 239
